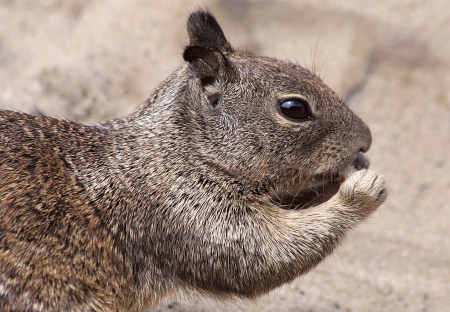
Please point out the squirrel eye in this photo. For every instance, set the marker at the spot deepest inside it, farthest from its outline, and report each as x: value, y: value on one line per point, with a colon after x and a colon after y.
x: 295, y: 109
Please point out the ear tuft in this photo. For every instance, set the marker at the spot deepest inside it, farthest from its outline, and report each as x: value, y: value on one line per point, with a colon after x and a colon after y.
x: 204, y: 31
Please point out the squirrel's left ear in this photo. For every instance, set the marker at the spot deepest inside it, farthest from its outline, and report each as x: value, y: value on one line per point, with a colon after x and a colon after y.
x: 206, y: 48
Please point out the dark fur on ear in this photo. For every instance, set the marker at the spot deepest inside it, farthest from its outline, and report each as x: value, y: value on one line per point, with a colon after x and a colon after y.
x: 208, y: 63
x: 207, y: 45
x: 204, y: 31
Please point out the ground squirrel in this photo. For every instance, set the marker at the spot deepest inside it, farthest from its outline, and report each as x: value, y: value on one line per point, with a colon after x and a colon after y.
x: 228, y: 180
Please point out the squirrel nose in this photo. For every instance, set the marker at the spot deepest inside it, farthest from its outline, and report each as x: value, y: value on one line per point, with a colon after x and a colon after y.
x: 364, y: 137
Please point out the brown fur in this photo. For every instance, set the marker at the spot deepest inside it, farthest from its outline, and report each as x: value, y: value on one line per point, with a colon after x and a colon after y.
x: 191, y: 192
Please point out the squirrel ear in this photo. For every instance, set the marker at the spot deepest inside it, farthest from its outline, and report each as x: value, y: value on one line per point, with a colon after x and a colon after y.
x: 206, y: 48
x: 204, y: 31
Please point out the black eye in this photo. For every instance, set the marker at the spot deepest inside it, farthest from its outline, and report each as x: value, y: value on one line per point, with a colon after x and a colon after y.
x: 295, y: 109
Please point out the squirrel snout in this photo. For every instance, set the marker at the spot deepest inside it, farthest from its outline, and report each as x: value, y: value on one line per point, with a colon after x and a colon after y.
x: 364, y: 137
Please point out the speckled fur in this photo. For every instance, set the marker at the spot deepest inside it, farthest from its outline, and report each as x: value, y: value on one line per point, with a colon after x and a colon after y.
x: 182, y: 194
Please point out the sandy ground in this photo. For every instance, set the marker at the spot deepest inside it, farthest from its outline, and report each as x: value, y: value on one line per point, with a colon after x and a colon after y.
x: 390, y: 60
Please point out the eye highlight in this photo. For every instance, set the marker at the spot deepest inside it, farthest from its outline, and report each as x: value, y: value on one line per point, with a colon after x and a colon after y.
x: 295, y: 108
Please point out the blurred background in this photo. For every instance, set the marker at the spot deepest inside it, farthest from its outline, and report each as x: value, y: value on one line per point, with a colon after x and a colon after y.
x: 91, y: 60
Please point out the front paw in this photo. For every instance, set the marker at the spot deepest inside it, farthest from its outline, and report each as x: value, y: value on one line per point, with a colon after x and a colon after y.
x: 363, y: 190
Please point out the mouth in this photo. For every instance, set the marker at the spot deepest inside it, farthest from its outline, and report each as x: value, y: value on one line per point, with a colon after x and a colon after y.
x: 318, y: 189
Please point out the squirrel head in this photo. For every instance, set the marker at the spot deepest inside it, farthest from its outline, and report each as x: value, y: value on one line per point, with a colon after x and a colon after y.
x: 268, y: 121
